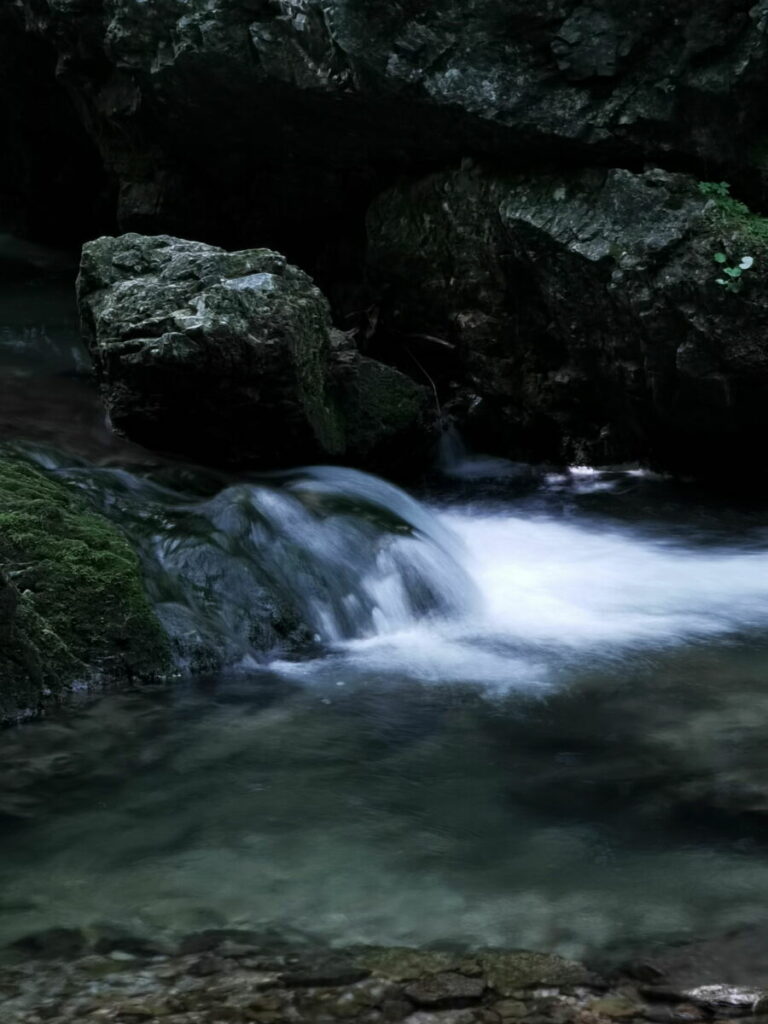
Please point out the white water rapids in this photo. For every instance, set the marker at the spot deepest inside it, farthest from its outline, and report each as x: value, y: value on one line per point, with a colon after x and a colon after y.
x: 540, y: 591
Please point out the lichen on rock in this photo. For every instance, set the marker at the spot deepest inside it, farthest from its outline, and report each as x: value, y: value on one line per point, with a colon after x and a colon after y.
x: 209, y: 353
x: 230, y: 357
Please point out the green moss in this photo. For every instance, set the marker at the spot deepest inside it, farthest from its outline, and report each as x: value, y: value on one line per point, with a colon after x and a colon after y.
x: 506, y: 972
x: 404, y: 964
x: 380, y: 404
x: 72, y: 603
x: 731, y: 216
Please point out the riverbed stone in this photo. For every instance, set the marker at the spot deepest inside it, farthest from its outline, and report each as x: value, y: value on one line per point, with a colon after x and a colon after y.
x: 616, y: 1006
x: 511, y: 1009
x: 508, y: 973
x: 166, y: 990
x: 733, y: 999
x: 442, y: 1017
x: 317, y: 973
x: 403, y: 964
x: 446, y: 990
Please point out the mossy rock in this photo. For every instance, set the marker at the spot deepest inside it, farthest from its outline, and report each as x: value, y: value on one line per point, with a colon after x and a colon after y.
x: 509, y: 973
x: 401, y: 963
x: 385, y: 416
x: 72, y: 604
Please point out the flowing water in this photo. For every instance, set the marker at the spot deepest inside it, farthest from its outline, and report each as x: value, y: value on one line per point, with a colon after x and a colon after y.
x: 527, y: 709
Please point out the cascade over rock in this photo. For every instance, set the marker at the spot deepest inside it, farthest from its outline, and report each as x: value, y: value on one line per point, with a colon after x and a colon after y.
x: 584, y: 310
x: 231, y: 358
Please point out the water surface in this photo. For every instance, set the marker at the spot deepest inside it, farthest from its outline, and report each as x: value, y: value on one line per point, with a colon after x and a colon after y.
x: 574, y: 761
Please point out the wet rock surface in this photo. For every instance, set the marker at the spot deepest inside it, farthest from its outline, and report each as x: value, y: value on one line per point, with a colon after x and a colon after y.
x: 239, y: 978
x: 73, y: 609
x: 309, y: 106
x: 585, y: 315
x: 209, y: 353
x: 231, y: 357
x: 279, y: 123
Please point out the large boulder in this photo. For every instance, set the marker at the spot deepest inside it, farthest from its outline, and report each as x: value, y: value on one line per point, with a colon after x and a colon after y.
x: 274, y: 119
x: 73, y: 610
x: 230, y: 358
x: 586, y: 313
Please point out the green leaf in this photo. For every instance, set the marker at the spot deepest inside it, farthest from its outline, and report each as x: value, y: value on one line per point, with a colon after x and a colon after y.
x: 720, y: 257
x: 732, y: 271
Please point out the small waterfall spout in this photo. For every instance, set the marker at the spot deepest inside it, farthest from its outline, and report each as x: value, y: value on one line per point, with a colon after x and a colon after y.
x: 456, y: 461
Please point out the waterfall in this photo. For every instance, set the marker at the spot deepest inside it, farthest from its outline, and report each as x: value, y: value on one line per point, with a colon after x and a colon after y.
x: 316, y: 556
x: 455, y: 460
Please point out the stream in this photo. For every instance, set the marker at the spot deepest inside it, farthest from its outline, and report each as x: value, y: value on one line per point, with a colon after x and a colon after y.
x: 523, y: 707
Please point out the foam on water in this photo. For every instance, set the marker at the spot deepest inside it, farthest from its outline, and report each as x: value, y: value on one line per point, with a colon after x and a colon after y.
x: 549, y: 592
x: 588, y: 584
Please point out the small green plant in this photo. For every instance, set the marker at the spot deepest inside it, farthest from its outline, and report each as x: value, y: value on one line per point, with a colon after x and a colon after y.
x: 715, y: 189
x: 731, y: 216
x: 737, y: 225
x: 733, y: 278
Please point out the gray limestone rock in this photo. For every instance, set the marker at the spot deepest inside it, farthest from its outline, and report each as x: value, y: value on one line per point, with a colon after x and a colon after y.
x: 230, y: 357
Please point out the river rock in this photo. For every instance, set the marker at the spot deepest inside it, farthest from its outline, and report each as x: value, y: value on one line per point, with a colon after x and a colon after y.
x: 508, y: 973
x: 205, y: 352
x: 275, y: 119
x: 73, y: 609
x: 721, y: 1000
x: 173, y: 989
x: 446, y: 991
x: 230, y: 357
x: 401, y: 963
x: 584, y: 312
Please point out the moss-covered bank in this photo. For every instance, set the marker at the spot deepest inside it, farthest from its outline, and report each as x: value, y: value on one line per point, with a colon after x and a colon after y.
x: 72, y: 603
